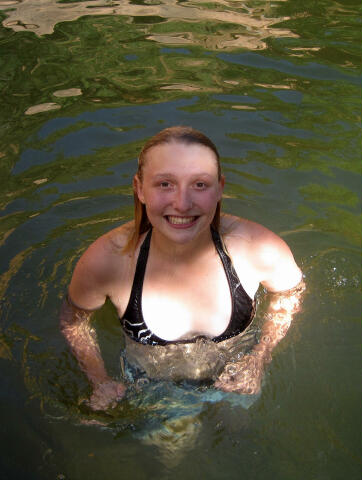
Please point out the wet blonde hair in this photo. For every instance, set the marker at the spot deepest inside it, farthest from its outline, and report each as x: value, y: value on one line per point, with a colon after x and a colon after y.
x: 179, y: 134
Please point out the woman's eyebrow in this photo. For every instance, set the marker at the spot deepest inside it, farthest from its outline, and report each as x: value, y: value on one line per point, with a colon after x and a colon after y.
x: 171, y: 175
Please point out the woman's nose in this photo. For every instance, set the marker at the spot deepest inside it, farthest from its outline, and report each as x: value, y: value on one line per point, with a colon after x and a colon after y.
x: 182, y: 200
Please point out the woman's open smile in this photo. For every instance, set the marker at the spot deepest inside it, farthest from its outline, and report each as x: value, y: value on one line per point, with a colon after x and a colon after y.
x: 181, y: 222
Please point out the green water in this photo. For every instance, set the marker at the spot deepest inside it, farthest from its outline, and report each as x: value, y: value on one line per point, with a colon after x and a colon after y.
x: 277, y: 86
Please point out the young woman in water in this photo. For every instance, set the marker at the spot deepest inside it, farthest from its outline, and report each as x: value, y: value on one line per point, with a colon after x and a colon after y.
x: 182, y: 277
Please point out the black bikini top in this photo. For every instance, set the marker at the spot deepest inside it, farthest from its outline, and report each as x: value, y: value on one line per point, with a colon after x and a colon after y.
x: 243, y: 307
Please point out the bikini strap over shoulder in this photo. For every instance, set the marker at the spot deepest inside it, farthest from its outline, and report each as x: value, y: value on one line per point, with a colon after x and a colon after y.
x: 136, y: 291
x: 243, y: 307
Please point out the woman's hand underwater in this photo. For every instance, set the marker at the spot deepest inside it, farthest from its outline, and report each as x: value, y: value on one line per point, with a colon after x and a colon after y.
x: 107, y: 394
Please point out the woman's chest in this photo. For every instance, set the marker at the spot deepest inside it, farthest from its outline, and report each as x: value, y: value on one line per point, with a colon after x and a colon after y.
x: 180, y: 301
x: 183, y: 302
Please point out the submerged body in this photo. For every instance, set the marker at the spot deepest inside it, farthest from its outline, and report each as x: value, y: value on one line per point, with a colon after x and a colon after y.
x: 197, y: 280
x: 198, y: 359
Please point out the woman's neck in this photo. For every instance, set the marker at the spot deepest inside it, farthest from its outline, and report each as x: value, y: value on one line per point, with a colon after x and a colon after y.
x: 176, y: 252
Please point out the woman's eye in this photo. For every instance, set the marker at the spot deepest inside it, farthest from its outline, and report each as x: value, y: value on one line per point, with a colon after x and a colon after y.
x: 164, y: 184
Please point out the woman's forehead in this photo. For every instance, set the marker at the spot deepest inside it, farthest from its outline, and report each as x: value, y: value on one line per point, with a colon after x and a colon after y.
x: 177, y: 155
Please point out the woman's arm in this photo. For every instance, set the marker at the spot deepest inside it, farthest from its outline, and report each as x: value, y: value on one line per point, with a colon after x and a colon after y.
x: 277, y: 271
x: 245, y: 376
x: 76, y: 327
x: 87, y: 292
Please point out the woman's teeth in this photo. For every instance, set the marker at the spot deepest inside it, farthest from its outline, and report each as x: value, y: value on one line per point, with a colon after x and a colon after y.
x: 180, y: 220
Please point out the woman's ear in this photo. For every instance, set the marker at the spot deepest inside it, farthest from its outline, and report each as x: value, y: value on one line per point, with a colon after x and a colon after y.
x: 137, y: 187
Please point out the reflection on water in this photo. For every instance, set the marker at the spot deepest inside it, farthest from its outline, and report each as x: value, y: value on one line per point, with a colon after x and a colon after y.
x: 277, y: 87
x: 249, y: 25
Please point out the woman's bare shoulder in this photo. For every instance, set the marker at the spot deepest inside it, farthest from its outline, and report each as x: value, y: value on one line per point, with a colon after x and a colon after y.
x: 117, y: 239
x: 266, y: 252
x: 244, y: 236
x: 101, y: 266
x: 233, y: 227
x: 106, y: 253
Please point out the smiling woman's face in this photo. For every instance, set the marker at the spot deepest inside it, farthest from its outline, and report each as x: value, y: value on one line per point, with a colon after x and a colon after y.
x: 180, y: 188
